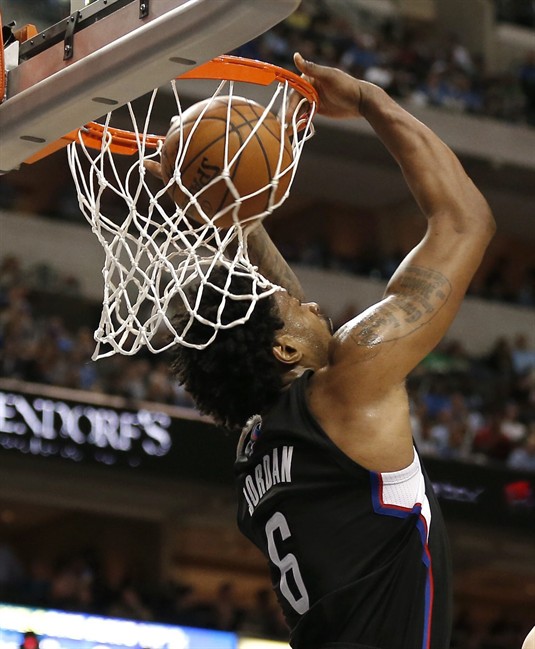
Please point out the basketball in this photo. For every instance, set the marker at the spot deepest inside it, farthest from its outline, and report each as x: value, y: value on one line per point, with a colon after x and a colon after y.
x: 203, y: 160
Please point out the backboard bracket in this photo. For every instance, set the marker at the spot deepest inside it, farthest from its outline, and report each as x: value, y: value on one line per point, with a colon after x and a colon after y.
x: 144, y: 6
x: 86, y: 16
x: 68, y: 43
x: 117, y: 57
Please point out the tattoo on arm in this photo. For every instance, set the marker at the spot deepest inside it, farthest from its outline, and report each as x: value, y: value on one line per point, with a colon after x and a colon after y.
x: 264, y: 254
x: 420, y: 294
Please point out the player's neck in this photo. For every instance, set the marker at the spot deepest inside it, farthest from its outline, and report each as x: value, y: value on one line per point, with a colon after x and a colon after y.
x: 291, y: 375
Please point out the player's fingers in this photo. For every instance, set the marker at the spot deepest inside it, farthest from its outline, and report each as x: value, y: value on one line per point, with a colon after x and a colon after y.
x: 309, y: 70
x: 154, y: 167
x: 294, y: 102
x: 300, y: 63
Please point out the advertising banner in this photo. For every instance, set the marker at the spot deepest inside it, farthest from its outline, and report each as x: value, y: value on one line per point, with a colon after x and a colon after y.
x: 142, y: 439
x: 45, y: 629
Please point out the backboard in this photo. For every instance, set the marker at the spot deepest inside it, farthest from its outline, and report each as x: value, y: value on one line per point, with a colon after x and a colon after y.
x: 110, y: 52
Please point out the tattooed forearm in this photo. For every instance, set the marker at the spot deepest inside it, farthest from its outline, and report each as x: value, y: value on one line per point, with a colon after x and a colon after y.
x: 419, y: 295
x: 264, y: 254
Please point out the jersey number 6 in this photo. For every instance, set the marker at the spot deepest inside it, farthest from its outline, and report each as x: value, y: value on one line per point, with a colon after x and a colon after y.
x: 286, y: 564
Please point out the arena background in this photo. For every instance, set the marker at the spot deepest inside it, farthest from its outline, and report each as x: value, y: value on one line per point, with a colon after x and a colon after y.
x: 116, y: 497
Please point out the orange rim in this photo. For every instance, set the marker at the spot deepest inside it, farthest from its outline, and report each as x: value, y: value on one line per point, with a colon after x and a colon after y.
x: 123, y: 142
x: 225, y: 67
x: 236, y: 68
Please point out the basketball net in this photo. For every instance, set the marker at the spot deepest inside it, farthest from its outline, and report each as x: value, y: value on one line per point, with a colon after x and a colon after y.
x: 155, y: 254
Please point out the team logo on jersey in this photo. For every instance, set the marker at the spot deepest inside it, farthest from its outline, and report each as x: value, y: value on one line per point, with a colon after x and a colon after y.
x: 251, y: 433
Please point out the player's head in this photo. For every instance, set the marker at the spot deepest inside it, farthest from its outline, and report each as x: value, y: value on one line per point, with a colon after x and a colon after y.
x: 304, y: 340
x: 237, y: 374
x: 244, y: 369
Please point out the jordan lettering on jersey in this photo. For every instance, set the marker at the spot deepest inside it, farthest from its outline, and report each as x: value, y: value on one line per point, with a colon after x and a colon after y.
x: 274, y: 468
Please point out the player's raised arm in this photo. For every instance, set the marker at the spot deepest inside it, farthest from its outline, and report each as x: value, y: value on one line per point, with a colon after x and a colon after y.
x: 425, y: 293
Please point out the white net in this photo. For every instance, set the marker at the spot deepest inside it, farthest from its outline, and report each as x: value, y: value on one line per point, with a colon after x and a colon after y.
x: 158, y: 250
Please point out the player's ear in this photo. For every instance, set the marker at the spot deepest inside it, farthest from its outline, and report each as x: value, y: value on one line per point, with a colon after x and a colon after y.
x: 154, y: 167
x: 285, y: 350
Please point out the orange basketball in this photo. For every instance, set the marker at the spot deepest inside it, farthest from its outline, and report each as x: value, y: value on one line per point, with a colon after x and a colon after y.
x: 204, y: 158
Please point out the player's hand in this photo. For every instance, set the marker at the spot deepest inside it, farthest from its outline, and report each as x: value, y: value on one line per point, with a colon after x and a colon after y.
x: 340, y: 95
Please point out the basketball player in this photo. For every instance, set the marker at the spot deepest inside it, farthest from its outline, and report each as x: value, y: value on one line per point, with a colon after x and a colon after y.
x: 331, y: 488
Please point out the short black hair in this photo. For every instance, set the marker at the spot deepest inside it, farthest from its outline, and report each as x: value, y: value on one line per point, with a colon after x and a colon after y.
x: 236, y: 375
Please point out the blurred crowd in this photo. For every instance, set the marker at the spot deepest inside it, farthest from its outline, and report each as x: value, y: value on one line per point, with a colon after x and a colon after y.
x: 410, y: 60
x: 55, y: 350
x: 477, y: 409
x: 464, y: 407
x: 499, y: 281
x: 81, y: 583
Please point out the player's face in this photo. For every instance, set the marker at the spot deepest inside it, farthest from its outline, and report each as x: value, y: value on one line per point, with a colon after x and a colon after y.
x: 310, y: 330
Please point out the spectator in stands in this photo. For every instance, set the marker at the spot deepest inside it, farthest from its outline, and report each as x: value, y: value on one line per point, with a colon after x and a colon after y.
x: 499, y: 361
x: 423, y: 438
x: 440, y: 431
x: 65, y: 587
x: 490, y: 443
x: 10, y: 275
x: 188, y: 610
x: 130, y: 604
x: 522, y: 355
x: 11, y: 572
x: 458, y: 442
x: 448, y: 90
x: 159, y: 384
x: 523, y: 457
x: 133, y: 378
x: 510, y: 425
x: 437, y: 397
x: 226, y: 613
x: 38, y: 582
x: 263, y: 619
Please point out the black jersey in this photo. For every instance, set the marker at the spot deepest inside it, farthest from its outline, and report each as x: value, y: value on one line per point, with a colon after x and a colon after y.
x: 356, y: 557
